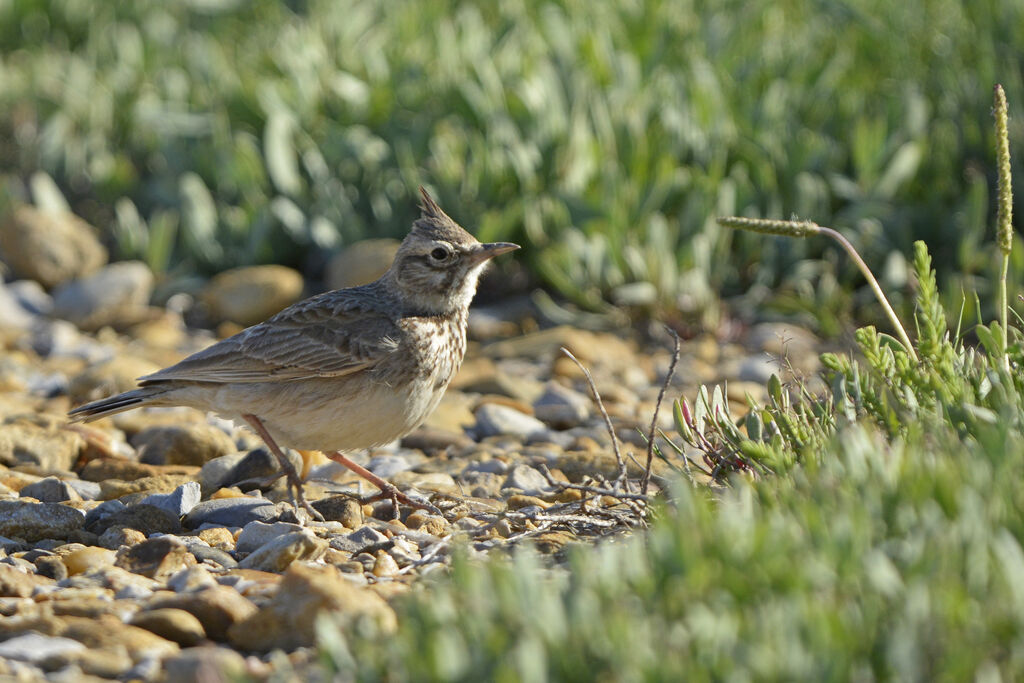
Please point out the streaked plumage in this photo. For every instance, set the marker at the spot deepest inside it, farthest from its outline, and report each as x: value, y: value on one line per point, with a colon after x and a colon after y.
x: 347, y: 369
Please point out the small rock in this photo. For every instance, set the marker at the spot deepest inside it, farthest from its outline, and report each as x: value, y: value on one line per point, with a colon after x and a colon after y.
x: 360, y: 263
x: 35, y: 648
x: 191, y: 579
x: 193, y: 444
x: 51, y: 567
x: 175, y: 625
x: 528, y: 480
x: 87, y: 559
x: 146, y: 518
x: 204, y: 664
x: 341, y: 509
x: 365, y: 538
x: 277, y: 554
x: 86, y: 490
x: 108, y: 631
x: 50, y: 490
x: 115, y: 537
x: 104, y: 296
x: 492, y: 466
x: 161, y: 483
x: 255, y: 465
x: 216, y: 608
x: 256, y: 534
x: 13, y: 314
x: 50, y: 248
x: 493, y: 419
x: 218, y: 537
x: 214, y: 473
x: 50, y: 449
x: 387, y: 466
x: 158, y: 558
x: 36, y: 521
x: 104, y: 469
x: 14, y: 583
x: 177, y: 502
x: 251, y: 294
x: 232, y: 512
x: 384, y: 565
x: 288, y: 620
x: 561, y: 407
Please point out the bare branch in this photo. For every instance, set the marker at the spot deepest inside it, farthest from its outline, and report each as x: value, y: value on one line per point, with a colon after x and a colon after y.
x: 621, y: 479
x: 645, y: 481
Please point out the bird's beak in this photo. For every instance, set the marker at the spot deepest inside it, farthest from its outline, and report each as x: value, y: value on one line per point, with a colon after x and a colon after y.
x: 485, y: 252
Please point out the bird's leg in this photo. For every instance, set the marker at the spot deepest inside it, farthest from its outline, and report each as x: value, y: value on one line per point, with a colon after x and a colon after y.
x: 387, y: 489
x: 294, y: 482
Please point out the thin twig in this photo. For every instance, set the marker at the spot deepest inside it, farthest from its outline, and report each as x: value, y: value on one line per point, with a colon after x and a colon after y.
x: 621, y: 479
x: 595, y: 490
x: 646, y: 479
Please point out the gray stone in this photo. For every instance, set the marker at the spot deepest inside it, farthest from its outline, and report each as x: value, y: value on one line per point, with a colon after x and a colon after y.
x: 387, y: 466
x: 366, y: 537
x: 158, y: 558
x: 178, y: 502
x: 38, y: 521
x: 31, y: 296
x: 50, y: 490
x: 232, y: 512
x: 97, y: 299
x: 191, y: 579
x: 49, y: 247
x: 34, y: 647
x: 13, y: 315
x: 278, y: 553
x: 149, y: 519
x: 561, y: 407
x: 214, y: 473
x: 493, y: 419
x: 256, y: 534
x: 61, y: 339
x: 758, y: 368
x: 492, y: 466
x: 528, y: 480
x: 88, y: 490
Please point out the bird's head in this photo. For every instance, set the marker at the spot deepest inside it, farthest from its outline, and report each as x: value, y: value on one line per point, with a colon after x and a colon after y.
x: 438, y: 264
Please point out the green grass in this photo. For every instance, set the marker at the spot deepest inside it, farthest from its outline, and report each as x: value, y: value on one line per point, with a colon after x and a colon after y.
x: 200, y: 135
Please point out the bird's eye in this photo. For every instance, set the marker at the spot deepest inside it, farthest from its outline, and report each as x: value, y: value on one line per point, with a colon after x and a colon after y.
x: 439, y: 254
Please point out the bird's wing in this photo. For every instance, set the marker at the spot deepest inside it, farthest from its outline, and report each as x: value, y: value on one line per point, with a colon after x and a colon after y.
x: 320, y: 337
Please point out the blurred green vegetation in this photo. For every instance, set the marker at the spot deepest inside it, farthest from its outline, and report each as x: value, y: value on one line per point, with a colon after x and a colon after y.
x: 606, y: 137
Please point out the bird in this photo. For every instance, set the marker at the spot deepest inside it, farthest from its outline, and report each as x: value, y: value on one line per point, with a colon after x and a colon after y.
x: 344, y: 370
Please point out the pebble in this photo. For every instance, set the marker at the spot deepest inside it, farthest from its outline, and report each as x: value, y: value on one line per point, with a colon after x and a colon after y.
x: 232, y: 512
x: 175, y: 625
x: 256, y: 534
x: 387, y: 466
x: 342, y: 509
x: 157, y: 558
x: 193, y: 444
x: 196, y: 663
x: 50, y: 490
x: 528, y: 480
x: 278, y: 553
x: 88, y: 558
x: 101, y: 298
x: 493, y: 419
x: 288, y: 620
x: 191, y: 578
x: 49, y: 247
x: 561, y: 407
x: 35, y: 647
x: 149, y: 519
x: 50, y: 449
x: 38, y: 521
x: 251, y: 294
x: 217, y: 608
x: 178, y: 502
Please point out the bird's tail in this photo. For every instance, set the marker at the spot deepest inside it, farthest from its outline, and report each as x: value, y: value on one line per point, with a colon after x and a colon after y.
x: 117, y: 404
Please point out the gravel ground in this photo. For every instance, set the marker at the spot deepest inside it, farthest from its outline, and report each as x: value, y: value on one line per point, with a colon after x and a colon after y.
x: 150, y: 545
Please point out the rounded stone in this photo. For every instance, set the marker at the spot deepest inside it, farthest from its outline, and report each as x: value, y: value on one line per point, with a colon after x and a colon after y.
x: 360, y: 263
x: 193, y: 444
x: 175, y: 625
x: 50, y: 248
x: 251, y: 294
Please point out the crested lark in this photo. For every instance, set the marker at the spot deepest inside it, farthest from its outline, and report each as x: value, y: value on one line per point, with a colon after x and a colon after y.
x: 344, y: 370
